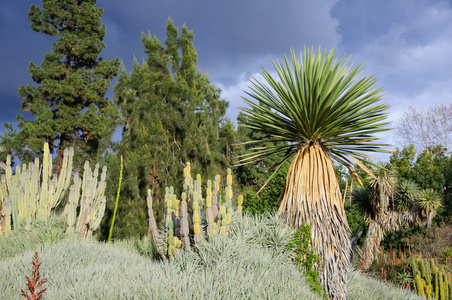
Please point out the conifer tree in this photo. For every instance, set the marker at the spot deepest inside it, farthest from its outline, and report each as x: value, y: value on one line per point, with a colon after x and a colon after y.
x: 172, y: 114
x: 67, y: 101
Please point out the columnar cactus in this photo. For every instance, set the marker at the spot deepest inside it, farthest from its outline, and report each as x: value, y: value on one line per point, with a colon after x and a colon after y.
x: 92, y: 202
x: 34, y: 191
x: 239, y: 204
x: 183, y: 221
x: 153, y: 226
x: 429, y: 280
x: 71, y: 206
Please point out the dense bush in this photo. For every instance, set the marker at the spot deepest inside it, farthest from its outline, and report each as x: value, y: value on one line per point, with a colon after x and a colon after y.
x: 268, y: 199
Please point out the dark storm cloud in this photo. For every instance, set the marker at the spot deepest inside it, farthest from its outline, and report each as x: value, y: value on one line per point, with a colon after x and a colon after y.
x: 19, y: 46
x: 407, y: 44
x: 232, y: 37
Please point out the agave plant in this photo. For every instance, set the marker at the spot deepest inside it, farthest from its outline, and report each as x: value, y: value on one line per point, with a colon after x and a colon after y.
x: 429, y: 201
x: 323, y: 111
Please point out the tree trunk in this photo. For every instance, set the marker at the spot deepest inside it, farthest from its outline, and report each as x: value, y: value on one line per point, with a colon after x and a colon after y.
x: 312, y: 195
x: 375, y: 235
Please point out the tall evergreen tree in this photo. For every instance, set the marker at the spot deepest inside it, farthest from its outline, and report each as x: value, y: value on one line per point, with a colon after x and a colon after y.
x: 172, y: 114
x: 67, y: 102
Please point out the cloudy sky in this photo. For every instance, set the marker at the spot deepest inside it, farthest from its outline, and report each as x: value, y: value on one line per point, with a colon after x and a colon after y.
x: 406, y: 44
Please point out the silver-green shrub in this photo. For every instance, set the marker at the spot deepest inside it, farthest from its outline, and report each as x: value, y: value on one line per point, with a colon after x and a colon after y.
x: 251, y: 263
x: 51, y: 231
x: 361, y: 287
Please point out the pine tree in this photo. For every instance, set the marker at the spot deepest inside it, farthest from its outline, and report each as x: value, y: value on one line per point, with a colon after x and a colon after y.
x: 172, y: 114
x: 67, y: 102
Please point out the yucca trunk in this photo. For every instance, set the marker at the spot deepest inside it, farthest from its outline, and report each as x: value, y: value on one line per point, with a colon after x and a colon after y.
x: 312, y: 195
x: 431, y: 215
x: 375, y: 235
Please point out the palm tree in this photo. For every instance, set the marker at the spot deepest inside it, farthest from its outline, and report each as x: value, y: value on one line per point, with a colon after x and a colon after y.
x: 429, y: 201
x: 324, y: 111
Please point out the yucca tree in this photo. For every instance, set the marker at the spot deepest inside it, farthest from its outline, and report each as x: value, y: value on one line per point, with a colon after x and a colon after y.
x: 429, y: 201
x: 324, y: 111
x: 376, y: 203
x: 388, y: 204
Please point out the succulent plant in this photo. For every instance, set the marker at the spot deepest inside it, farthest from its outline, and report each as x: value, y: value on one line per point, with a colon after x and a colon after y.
x: 183, y: 225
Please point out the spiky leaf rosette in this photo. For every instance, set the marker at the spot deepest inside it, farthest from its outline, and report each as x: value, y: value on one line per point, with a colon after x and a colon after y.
x: 382, y: 188
x: 406, y: 195
x: 324, y: 111
x: 429, y: 201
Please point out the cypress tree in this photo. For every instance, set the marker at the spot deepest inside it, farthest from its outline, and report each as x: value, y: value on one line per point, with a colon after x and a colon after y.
x: 172, y: 114
x: 67, y: 101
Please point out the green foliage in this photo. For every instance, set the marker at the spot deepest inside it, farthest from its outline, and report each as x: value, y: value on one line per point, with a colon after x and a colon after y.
x: 255, y: 174
x: 307, y: 260
x: 406, y: 194
x: 428, y: 172
x: 393, y: 239
x: 268, y: 199
x: 67, y: 102
x: 171, y: 113
x: 429, y: 169
x: 355, y: 220
x: 403, y: 161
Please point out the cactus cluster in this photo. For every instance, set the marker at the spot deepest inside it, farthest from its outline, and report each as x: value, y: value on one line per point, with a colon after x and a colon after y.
x: 91, y: 202
x: 34, y: 191
x: 429, y: 280
x: 197, y: 215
